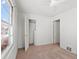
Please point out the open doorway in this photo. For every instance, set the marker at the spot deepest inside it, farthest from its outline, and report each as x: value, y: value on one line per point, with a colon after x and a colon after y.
x: 32, y: 27
x: 56, y: 32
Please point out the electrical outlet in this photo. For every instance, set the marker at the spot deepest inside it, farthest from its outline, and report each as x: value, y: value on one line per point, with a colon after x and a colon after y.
x: 69, y: 49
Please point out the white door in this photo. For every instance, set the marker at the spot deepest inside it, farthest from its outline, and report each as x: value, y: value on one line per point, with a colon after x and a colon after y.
x: 26, y: 34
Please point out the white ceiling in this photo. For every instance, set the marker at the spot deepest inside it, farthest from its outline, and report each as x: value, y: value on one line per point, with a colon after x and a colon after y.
x: 42, y: 6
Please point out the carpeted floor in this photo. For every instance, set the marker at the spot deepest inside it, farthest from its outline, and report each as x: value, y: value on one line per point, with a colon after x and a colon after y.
x: 45, y: 52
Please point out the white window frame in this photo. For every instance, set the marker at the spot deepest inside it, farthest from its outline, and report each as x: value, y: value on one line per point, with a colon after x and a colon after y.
x: 7, y: 49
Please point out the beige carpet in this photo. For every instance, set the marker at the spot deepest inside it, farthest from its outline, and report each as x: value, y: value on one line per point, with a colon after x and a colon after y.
x: 45, y: 52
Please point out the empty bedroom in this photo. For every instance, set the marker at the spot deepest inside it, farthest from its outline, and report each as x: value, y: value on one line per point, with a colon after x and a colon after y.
x: 38, y: 29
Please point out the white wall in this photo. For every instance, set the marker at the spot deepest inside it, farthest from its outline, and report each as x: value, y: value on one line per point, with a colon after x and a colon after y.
x: 42, y: 33
x: 21, y: 32
x: 68, y: 29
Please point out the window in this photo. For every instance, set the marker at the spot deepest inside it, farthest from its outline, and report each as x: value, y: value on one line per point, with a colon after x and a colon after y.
x: 5, y: 23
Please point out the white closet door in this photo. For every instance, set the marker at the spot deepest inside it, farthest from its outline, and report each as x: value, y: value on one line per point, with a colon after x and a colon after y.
x: 26, y: 34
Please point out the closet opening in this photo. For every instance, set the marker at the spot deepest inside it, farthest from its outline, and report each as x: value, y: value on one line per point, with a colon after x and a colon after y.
x: 56, y: 32
x: 32, y: 28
